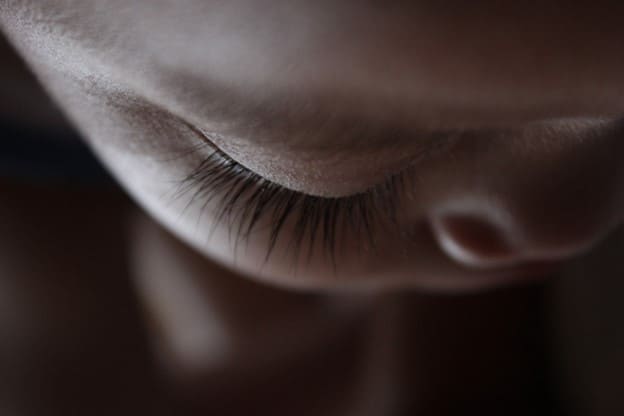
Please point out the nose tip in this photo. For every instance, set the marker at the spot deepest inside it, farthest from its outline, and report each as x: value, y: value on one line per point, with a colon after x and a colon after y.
x: 475, y: 241
x: 479, y: 240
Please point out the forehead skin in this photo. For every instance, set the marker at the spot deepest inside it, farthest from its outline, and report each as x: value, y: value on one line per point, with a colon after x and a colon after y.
x: 438, y: 65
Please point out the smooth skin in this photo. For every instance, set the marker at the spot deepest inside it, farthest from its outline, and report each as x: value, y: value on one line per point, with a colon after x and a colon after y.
x: 515, y: 107
x: 528, y: 98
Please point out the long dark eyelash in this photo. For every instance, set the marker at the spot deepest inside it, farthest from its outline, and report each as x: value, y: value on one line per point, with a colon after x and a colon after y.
x: 244, y: 198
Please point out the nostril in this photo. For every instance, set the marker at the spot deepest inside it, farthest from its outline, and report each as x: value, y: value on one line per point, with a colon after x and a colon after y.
x: 474, y: 241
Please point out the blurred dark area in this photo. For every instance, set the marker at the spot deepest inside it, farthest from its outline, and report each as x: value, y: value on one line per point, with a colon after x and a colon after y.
x: 70, y: 330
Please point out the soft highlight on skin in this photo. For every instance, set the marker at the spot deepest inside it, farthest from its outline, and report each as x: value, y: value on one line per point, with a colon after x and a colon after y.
x: 534, y: 124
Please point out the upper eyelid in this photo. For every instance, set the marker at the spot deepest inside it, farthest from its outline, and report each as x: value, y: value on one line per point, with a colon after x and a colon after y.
x: 399, y: 162
x: 218, y: 152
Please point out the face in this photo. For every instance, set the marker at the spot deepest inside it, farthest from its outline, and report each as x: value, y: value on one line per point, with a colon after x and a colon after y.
x: 346, y: 145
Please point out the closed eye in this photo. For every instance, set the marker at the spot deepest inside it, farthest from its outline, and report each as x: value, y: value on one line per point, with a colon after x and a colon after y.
x: 244, y: 199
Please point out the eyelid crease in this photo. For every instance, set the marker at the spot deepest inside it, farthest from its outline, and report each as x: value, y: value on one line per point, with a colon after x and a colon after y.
x: 315, y: 124
x: 346, y: 173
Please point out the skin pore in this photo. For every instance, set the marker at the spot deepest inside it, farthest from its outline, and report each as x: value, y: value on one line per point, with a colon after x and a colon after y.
x: 502, y: 120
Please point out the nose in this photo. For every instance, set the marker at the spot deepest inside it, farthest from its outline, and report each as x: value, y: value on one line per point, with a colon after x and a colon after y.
x: 474, y: 241
x: 476, y: 231
x: 488, y: 238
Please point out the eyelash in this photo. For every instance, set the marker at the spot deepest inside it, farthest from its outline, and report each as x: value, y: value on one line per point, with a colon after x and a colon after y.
x: 244, y: 198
